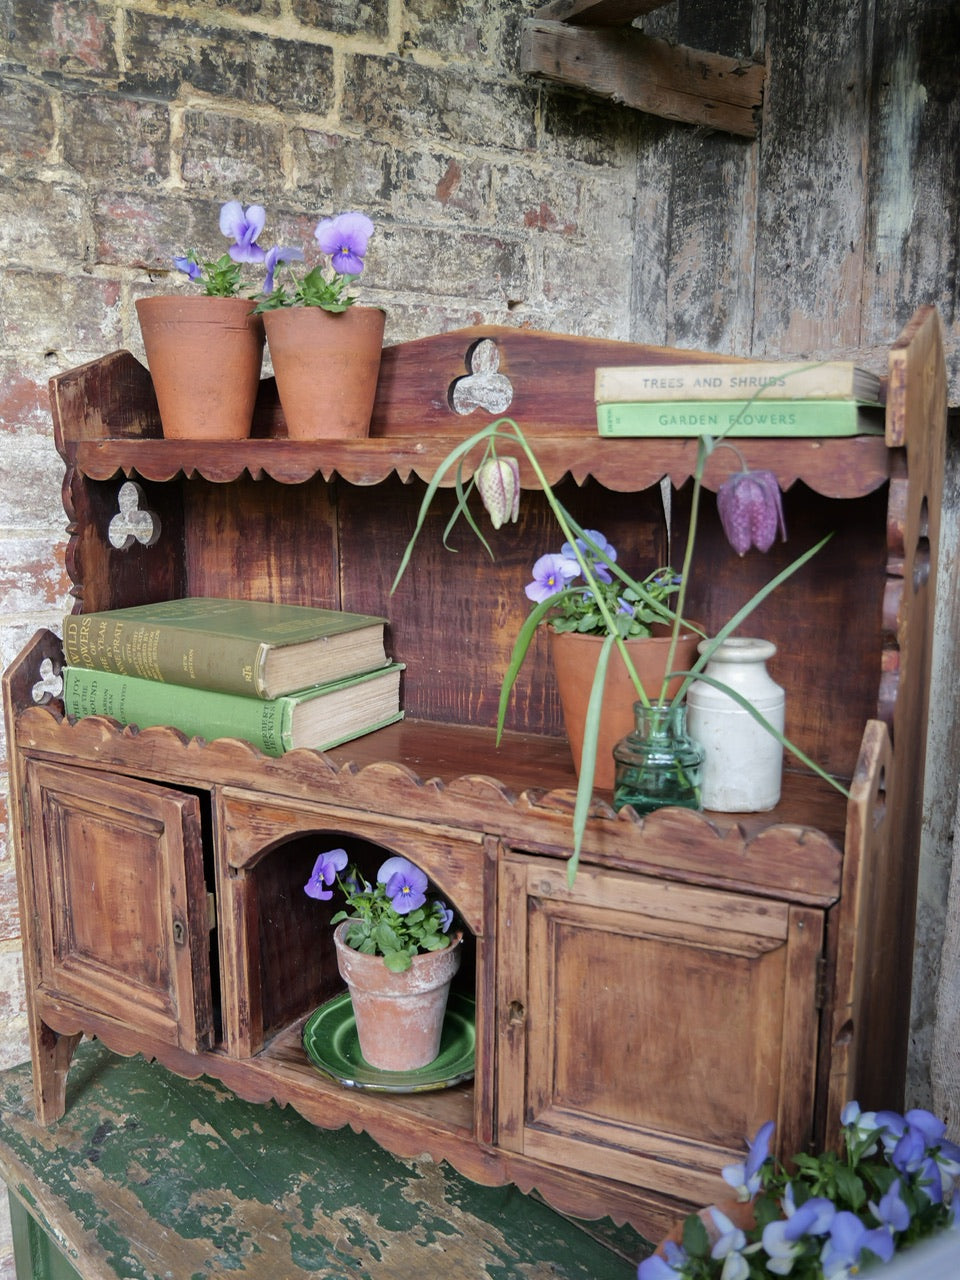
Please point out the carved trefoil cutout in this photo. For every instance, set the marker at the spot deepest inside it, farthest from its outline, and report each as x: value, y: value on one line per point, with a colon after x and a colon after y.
x: 50, y: 684
x: 484, y: 387
x: 133, y: 522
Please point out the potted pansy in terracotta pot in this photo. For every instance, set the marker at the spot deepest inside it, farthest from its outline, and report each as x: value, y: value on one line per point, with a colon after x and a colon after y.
x: 658, y: 764
x: 205, y: 350
x: 397, y: 955
x: 324, y: 348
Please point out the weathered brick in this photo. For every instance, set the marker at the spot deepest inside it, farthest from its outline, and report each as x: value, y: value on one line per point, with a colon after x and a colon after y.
x: 234, y: 155
x: 396, y: 97
x: 246, y: 8
x: 600, y: 303
x: 58, y: 238
x: 440, y: 185
x: 538, y: 201
x: 111, y: 139
x: 458, y: 264
x: 14, y: 1042
x: 589, y: 131
x: 32, y: 576
x: 346, y: 17
x: 26, y: 122
x: 70, y: 315
x: 164, y: 54
x: 462, y: 29
x: 134, y: 230
x: 72, y: 37
x: 332, y: 171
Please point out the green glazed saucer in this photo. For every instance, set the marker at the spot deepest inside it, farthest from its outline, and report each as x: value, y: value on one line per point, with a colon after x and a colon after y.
x: 331, y: 1044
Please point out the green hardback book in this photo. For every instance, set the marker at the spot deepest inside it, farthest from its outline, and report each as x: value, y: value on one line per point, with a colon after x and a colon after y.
x: 250, y: 647
x: 320, y: 717
x: 732, y: 418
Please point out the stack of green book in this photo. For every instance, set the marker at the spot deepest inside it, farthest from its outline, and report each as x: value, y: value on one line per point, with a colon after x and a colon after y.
x: 739, y: 399
x: 278, y: 676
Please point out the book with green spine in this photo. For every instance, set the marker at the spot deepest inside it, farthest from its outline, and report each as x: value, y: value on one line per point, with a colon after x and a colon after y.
x: 322, y: 716
x: 738, y: 380
x: 249, y: 647
x: 738, y: 419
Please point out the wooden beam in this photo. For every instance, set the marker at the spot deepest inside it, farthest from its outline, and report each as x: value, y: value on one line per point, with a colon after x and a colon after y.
x: 598, y: 13
x: 651, y: 75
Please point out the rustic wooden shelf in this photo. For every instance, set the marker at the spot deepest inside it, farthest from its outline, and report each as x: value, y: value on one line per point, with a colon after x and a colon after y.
x: 161, y: 878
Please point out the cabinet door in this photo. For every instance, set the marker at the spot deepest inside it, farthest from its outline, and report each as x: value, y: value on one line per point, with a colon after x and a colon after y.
x: 120, y: 901
x: 646, y: 1028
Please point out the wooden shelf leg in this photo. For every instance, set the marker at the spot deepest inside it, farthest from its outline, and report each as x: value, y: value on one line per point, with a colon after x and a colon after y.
x: 51, y: 1062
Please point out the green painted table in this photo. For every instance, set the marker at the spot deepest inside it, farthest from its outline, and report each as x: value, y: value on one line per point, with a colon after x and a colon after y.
x: 151, y: 1176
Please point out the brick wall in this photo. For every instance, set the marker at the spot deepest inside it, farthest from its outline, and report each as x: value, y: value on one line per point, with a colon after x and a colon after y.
x: 123, y: 127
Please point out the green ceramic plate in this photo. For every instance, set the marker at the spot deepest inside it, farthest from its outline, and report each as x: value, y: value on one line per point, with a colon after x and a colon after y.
x: 330, y: 1040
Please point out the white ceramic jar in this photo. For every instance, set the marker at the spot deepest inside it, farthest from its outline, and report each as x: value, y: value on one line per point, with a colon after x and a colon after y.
x: 743, y: 763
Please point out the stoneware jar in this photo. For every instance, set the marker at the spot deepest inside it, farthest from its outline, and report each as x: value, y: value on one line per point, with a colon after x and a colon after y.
x: 743, y: 763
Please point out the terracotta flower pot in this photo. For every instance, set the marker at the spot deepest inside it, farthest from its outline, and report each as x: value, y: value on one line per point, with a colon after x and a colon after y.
x: 575, y: 658
x: 399, y: 1015
x: 326, y: 364
x: 204, y: 356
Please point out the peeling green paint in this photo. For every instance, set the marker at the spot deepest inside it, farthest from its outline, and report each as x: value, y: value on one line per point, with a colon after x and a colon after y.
x: 179, y: 1180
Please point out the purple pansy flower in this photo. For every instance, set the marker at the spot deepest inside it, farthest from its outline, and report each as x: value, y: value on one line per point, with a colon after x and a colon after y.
x: 598, y: 567
x: 345, y: 239
x: 751, y: 510
x: 840, y: 1256
x: 243, y: 227
x: 666, y: 1268
x: 325, y: 872
x: 551, y: 574
x: 274, y: 257
x: 446, y: 915
x: 189, y: 267
x: 745, y: 1178
x: 406, y: 884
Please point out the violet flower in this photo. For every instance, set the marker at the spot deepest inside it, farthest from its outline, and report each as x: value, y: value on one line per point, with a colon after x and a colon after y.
x: 244, y: 227
x: 325, y: 872
x: 751, y: 510
x: 746, y: 1178
x: 406, y: 884
x: 274, y: 257
x: 551, y: 573
x: 189, y: 267
x: 598, y: 567
x: 344, y: 239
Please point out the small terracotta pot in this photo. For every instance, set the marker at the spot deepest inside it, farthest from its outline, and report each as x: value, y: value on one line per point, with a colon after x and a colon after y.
x: 204, y: 356
x: 575, y: 658
x: 326, y: 365
x: 399, y: 1016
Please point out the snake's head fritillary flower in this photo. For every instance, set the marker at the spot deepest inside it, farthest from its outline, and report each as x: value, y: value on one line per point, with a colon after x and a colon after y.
x: 751, y: 510
x: 498, y: 483
x: 344, y: 238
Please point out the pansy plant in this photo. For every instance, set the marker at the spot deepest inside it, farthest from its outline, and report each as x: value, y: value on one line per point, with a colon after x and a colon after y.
x: 829, y: 1216
x: 395, y: 918
x: 343, y: 242
x: 221, y: 277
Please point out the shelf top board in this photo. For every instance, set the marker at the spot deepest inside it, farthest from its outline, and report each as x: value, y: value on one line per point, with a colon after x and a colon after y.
x: 434, y: 393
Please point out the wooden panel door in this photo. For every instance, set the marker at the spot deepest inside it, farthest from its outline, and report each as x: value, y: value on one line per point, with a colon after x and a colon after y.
x: 646, y: 1028
x: 121, y: 901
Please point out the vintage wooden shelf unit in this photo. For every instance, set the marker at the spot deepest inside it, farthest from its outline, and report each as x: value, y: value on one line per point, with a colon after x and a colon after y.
x: 705, y: 972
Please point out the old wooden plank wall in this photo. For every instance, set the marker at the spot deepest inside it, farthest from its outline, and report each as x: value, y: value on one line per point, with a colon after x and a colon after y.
x: 821, y: 237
